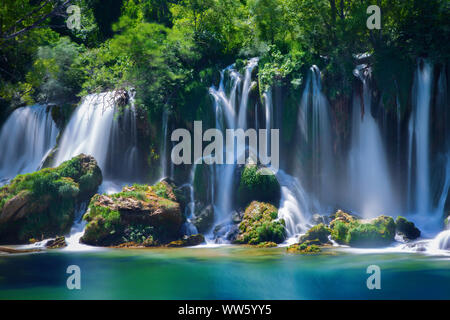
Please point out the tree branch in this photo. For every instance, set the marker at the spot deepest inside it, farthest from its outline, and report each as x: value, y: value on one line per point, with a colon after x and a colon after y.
x: 37, y: 23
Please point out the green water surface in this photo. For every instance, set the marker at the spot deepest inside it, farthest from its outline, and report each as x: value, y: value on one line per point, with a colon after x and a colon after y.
x: 222, y: 273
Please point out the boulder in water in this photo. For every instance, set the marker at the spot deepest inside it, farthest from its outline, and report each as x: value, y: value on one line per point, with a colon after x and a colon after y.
x: 134, y: 215
x: 378, y: 232
x: 260, y: 224
x: 406, y: 229
x: 304, y: 248
x: 318, y: 233
x: 42, y: 204
x: 188, y: 241
x: 57, y: 243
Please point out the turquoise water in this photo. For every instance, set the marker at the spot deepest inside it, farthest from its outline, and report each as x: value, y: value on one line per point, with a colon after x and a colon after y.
x: 222, y: 273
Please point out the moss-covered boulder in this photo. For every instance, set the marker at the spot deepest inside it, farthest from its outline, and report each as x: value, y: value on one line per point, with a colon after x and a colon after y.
x: 258, y: 184
x: 317, y: 233
x: 188, y: 241
x: 304, y: 248
x: 138, y: 214
x: 406, y: 228
x: 260, y: 224
x: 348, y: 230
x: 42, y: 204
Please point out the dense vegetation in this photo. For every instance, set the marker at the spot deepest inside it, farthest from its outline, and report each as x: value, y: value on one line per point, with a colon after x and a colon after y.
x: 170, y: 51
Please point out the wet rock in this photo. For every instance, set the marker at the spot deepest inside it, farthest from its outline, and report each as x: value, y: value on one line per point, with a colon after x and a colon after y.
x: 121, y: 97
x: 58, y: 242
x: 237, y: 216
x: 204, y: 219
x: 406, y: 229
x: 188, y: 241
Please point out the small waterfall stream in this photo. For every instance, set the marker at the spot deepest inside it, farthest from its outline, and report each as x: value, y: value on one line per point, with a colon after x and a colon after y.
x: 419, y: 130
x: 26, y: 138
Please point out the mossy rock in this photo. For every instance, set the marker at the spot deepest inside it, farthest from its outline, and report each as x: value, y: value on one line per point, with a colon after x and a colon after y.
x: 304, y: 248
x: 267, y: 244
x: 260, y: 224
x: 188, y: 241
x: 258, y: 184
x: 42, y: 204
x: 57, y: 243
x: 406, y: 228
x: 319, y: 232
x: 139, y: 214
x: 377, y: 232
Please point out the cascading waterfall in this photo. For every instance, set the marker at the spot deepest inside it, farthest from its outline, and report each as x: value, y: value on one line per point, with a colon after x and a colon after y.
x: 94, y: 130
x: 418, y: 162
x: 225, y: 109
x: 294, y: 206
x: 371, y: 186
x: 315, y: 126
x: 26, y: 138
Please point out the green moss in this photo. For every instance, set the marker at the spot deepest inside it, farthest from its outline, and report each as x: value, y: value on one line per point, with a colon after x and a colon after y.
x: 258, y: 184
x: 267, y: 244
x: 115, y: 220
x: 47, y: 199
x: 356, y: 233
x: 161, y: 190
x: 304, y: 248
x: 319, y: 232
x: 259, y: 225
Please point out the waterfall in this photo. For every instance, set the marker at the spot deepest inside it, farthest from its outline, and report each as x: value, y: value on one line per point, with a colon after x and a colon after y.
x: 294, y: 205
x: 164, y: 167
x: 419, y: 130
x: 371, y: 185
x: 315, y: 126
x: 225, y: 109
x: 26, y: 138
x: 269, y: 114
x: 93, y: 129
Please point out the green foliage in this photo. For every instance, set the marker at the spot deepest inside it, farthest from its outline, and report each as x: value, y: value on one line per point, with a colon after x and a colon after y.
x: 258, y: 184
x: 260, y: 225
